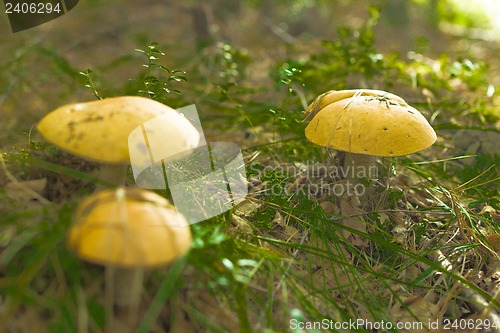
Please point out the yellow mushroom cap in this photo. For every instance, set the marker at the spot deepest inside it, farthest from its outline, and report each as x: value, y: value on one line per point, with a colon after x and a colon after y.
x: 371, y: 125
x: 336, y: 95
x: 99, y: 130
x: 131, y: 228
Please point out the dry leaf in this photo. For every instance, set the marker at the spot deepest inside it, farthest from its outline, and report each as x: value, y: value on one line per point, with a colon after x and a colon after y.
x: 241, y: 223
x: 489, y: 210
x: 329, y: 207
x: 179, y: 323
x: 417, y: 307
x: 214, y: 310
x: 494, y: 241
x: 28, y: 192
x: 27, y: 321
x: 291, y: 234
x: 400, y: 233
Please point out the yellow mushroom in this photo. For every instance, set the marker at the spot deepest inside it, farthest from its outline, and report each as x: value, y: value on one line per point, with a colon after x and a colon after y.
x: 333, y: 96
x: 366, y: 124
x: 128, y: 231
x: 371, y: 125
x: 99, y: 130
x: 128, y: 228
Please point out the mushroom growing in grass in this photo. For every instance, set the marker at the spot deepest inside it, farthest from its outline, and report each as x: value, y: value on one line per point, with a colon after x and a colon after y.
x: 128, y: 231
x: 365, y: 124
x: 99, y: 130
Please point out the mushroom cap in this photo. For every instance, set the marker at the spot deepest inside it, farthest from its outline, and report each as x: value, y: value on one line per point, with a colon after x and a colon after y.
x: 99, y: 130
x: 371, y: 125
x: 131, y: 228
x: 336, y: 95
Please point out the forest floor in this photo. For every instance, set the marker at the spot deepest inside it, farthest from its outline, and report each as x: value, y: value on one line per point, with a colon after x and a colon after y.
x: 426, y: 250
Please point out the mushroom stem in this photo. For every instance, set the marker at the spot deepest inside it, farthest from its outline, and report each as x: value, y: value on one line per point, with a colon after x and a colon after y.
x: 357, y: 167
x: 124, y: 286
x: 353, y: 203
x: 112, y: 173
x: 128, y: 287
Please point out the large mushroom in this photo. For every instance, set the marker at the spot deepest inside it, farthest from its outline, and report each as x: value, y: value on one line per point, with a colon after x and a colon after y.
x: 365, y: 124
x: 99, y: 131
x: 128, y: 231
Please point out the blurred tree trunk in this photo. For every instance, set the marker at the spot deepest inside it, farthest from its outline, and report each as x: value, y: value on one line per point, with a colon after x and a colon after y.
x: 396, y: 13
x: 201, y: 25
x: 432, y: 14
x: 395, y: 25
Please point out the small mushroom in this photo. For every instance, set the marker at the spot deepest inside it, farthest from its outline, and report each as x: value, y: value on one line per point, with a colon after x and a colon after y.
x: 99, y: 130
x: 128, y: 231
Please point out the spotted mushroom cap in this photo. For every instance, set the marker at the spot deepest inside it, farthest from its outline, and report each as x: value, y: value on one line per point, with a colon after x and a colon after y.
x: 372, y: 125
x: 131, y: 228
x: 336, y: 95
x: 99, y: 130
